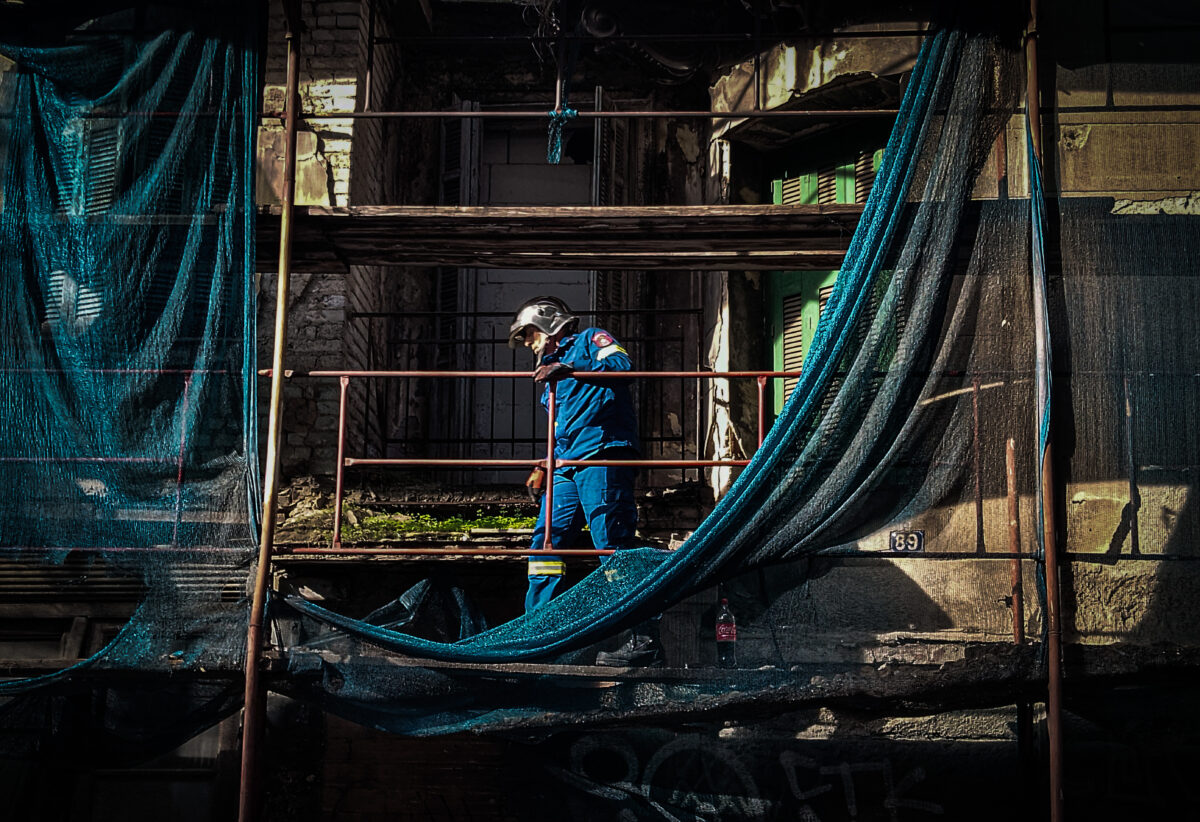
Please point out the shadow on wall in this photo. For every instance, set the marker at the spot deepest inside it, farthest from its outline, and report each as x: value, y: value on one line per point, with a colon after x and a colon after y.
x: 1127, y: 453
x: 805, y: 611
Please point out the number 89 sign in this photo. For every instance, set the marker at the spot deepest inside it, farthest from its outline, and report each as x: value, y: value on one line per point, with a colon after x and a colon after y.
x: 906, y: 542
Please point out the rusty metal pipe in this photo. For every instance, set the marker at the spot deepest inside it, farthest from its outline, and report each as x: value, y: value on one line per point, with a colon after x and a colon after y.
x: 1016, y: 593
x: 460, y: 552
x: 341, y: 463
x: 808, y: 114
x: 426, y: 462
x: 980, y: 543
x: 941, y: 556
x: 154, y: 460
x: 185, y: 371
x: 551, y: 413
x: 254, y: 698
x: 762, y: 410
x: 1054, y: 661
x: 591, y: 375
x: 1046, y: 473
x: 679, y: 37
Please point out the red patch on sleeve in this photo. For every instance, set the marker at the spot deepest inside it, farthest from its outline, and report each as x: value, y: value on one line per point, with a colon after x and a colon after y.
x: 601, y: 340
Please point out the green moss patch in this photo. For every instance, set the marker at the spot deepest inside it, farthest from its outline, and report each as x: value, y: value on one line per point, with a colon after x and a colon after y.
x: 379, y: 527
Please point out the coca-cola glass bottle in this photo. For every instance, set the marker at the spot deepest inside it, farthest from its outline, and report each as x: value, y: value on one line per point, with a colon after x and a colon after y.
x: 726, y: 637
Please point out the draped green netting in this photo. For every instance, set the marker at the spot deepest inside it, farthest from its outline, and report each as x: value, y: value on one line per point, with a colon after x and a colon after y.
x: 127, y: 333
x: 928, y: 323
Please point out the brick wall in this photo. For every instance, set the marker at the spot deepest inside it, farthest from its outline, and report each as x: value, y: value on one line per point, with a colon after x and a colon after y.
x: 343, y: 162
x: 316, y: 318
x: 330, y: 65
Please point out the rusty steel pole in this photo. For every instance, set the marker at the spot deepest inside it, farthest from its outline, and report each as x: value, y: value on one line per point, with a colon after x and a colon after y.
x: 344, y: 386
x: 551, y: 413
x: 1046, y: 468
x: 980, y: 542
x: 255, y: 698
x: 1016, y: 592
x: 762, y: 410
x: 646, y: 114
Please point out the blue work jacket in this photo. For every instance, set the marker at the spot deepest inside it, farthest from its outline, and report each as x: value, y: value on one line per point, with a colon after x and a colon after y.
x: 591, y: 416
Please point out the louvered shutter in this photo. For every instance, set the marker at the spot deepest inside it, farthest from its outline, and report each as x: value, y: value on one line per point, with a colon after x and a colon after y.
x: 793, y: 340
x: 864, y: 175
x: 98, y: 186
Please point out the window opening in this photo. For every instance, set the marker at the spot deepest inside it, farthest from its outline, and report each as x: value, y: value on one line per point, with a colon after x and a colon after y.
x: 796, y: 299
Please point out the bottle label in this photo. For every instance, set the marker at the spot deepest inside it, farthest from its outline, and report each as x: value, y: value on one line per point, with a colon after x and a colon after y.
x: 726, y: 632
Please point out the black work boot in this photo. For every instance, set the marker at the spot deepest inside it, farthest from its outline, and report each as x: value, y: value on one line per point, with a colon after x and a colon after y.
x: 641, y: 651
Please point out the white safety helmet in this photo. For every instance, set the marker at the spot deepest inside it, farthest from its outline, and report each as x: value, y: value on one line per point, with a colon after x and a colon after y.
x: 547, y: 314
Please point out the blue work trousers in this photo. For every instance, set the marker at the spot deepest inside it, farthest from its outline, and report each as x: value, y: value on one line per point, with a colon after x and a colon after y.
x: 600, y: 497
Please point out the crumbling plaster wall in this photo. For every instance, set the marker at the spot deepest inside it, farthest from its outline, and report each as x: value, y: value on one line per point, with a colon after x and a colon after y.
x: 729, y: 431
x: 781, y: 74
x: 328, y: 56
x: 1118, y: 131
x: 327, y: 326
x: 786, y: 73
x: 1123, y: 138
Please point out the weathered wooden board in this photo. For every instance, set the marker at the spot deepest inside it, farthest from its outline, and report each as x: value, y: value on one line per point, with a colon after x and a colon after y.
x: 566, y: 237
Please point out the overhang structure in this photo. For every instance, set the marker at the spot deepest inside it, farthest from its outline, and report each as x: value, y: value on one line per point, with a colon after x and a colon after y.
x: 741, y: 237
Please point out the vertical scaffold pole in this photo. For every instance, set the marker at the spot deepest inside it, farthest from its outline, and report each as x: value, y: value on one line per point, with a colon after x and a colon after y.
x: 255, y: 698
x: 551, y: 418
x: 1046, y: 468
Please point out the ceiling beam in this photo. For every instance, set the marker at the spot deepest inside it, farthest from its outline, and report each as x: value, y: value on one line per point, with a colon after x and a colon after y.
x: 564, y: 237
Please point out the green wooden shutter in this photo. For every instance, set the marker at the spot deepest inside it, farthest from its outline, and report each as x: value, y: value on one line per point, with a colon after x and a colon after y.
x: 797, y: 299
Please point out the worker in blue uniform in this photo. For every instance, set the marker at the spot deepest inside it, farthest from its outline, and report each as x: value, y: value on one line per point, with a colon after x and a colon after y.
x: 593, y: 420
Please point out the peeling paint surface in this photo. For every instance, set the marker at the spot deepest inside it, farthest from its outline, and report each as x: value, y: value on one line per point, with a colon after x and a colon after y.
x: 689, y: 142
x: 1075, y: 137
x: 1187, y: 204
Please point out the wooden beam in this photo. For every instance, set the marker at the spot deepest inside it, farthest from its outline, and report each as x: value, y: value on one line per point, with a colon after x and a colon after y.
x: 565, y: 237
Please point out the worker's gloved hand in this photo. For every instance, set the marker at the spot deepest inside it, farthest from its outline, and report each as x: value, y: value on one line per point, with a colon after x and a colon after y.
x: 551, y: 372
x: 536, y: 483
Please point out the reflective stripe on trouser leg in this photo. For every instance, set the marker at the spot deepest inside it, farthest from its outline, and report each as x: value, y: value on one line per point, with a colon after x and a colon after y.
x: 546, y: 567
x: 544, y: 575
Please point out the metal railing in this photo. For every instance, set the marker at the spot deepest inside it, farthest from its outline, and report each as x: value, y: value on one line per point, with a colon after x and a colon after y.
x: 668, y: 414
x: 549, y: 462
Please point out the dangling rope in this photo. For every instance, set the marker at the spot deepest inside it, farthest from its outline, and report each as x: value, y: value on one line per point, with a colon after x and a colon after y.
x: 558, y: 118
x: 562, y: 111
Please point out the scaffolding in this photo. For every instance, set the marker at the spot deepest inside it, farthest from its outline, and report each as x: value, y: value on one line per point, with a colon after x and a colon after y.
x: 698, y: 238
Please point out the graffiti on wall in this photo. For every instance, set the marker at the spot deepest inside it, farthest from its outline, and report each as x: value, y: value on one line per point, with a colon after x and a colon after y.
x: 694, y: 777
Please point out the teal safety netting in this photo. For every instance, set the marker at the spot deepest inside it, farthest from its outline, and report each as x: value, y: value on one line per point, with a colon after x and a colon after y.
x: 928, y: 307
x: 127, y: 328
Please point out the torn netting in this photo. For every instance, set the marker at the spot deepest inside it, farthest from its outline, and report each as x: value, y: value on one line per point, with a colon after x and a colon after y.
x: 127, y: 329
x: 880, y: 429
